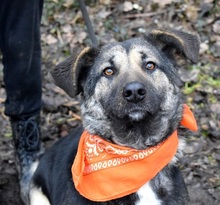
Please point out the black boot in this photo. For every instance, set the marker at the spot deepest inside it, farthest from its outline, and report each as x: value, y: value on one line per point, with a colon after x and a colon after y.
x: 26, y: 136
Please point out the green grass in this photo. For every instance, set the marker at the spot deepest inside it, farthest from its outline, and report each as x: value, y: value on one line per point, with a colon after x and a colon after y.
x: 205, y: 80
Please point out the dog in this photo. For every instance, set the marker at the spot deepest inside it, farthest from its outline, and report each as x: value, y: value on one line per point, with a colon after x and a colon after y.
x: 131, y: 105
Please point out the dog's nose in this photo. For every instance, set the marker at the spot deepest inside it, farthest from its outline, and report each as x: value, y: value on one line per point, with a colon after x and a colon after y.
x: 134, y: 92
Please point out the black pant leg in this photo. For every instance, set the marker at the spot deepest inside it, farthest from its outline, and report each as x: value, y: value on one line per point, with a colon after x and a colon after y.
x: 21, y: 49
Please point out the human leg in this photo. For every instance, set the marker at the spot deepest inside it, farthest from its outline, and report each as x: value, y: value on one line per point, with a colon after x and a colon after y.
x: 20, y: 46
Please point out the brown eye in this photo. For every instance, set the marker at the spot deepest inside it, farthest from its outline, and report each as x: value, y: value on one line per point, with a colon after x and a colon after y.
x: 150, y: 66
x: 108, y: 71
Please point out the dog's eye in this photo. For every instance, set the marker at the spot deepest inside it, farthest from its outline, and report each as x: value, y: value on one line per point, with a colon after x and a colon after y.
x: 108, y: 71
x: 150, y: 66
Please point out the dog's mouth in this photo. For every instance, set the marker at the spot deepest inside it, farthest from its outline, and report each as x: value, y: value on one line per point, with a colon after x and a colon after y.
x: 134, y: 112
x: 137, y: 114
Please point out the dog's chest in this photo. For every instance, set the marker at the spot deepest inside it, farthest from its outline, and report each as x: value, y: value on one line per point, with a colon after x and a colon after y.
x: 147, y: 196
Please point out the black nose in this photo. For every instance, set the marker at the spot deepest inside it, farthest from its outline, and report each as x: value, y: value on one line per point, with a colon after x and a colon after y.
x: 134, y: 92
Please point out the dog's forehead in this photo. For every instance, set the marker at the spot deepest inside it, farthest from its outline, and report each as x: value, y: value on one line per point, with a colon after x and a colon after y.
x: 132, y: 48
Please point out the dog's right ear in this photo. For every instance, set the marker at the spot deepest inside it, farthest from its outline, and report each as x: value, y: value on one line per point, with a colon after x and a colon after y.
x: 66, y: 74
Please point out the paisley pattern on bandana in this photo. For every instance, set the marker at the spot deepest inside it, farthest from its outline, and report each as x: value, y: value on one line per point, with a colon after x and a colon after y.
x: 96, y: 151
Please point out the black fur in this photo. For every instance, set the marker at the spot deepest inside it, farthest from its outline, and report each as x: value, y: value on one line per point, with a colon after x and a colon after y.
x: 56, y: 178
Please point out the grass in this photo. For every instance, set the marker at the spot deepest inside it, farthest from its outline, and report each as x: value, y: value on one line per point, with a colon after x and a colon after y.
x: 205, y: 80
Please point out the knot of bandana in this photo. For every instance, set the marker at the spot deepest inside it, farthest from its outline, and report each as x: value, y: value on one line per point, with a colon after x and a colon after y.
x: 104, y: 171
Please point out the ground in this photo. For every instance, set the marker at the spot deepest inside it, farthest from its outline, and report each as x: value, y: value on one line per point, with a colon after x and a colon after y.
x: 63, y: 30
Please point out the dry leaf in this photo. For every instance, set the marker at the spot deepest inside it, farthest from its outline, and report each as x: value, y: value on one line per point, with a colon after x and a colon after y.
x: 127, y: 6
x: 162, y: 3
x: 191, y: 13
x: 50, y: 39
x: 67, y: 28
x: 104, y: 13
x: 216, y: 27
x: 105, y: 2
x: 203, y: 47
x: 68, y: 3
x: 81, y: 36
x: 71, y: 103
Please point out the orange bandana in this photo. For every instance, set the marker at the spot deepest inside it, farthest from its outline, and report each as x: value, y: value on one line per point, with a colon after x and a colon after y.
x: 104, y: 171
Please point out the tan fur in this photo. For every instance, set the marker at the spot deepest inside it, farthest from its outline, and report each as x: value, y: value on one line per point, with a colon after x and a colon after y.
x: 82, y: 53
x: 159, y: 32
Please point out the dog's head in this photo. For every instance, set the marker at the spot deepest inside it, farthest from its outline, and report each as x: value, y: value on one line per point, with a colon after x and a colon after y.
x: 130, y: 90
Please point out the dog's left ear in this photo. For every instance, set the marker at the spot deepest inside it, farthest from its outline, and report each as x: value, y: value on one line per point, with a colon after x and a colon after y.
x: 67, y: 74
x: 177, y: 44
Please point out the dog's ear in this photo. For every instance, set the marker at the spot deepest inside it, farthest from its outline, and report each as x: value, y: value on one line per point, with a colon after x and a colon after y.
x: 66, y: 74
x: 177, y: 44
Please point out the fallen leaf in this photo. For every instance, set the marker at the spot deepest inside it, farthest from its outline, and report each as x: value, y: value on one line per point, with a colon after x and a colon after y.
x: 191, y: 13
x: 104, y: 13
x: 189, y: 75
x: 81, y: 36
x: 216, y: 27
x: 203, y: 47
x: 50, y: 39
x: 162, y: 3
x: 127, y: 6
x: 67, y: 28
x: 68, y: 3
x: 105, y: 2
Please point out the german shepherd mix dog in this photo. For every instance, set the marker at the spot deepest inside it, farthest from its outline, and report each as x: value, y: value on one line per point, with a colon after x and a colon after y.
x: 127, y: 149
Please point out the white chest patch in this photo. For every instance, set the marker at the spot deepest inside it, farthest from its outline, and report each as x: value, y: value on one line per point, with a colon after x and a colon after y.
x: 147, y: 196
